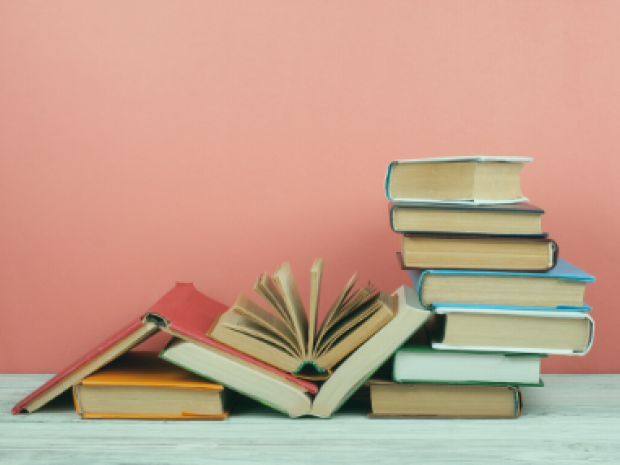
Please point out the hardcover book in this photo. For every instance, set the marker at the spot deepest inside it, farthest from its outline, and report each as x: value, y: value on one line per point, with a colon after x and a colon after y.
x: 400, y: 400
x: 562, y: 333
x: 491, y: 253
x: 417, y: 362
x: 140, y: 385
x: 183, y: 312
x: 292, y: 341
x: 561, y: 288
x: 476, y: 180
x: 291, y: 399
x: 521, y: 219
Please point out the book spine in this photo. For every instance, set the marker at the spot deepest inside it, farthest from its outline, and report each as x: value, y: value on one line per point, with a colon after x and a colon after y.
x: 388, y: 175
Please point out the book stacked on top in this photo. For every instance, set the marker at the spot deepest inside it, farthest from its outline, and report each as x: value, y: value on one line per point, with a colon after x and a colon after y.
x: 476, y: 255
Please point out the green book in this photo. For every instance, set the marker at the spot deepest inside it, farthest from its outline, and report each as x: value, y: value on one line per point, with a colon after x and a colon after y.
x: 417, y: 362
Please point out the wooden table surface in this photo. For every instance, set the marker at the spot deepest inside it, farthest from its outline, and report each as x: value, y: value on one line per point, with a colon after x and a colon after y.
x: 573, y: 418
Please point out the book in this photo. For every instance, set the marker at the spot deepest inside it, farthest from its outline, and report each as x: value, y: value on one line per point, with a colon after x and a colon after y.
x: 291, y: 340
x: 562, y: 333
x: 417, y: 362
x: 183, y: 312
x: 441, y: 251
x: 400, y: 400
x: 562, y: 288
x: 289, y: 398
x: 475, y: 180
x: 521, y: 219
x: 140, y: 385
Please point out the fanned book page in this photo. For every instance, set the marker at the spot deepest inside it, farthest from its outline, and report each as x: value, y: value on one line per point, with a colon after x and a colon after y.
x: 292, y: 340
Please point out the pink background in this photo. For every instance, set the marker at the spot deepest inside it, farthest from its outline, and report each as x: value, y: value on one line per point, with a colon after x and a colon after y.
x: 146, y: 142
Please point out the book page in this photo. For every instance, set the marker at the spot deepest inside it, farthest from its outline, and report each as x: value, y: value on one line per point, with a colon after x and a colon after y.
x: 235, y: 323
x: 346, y: 324
x: 334, y: 308
x: 265, y: 287
x: 316, y: 273
x: 254, y: 312
x: 356, y: 300
x: 285, y: 281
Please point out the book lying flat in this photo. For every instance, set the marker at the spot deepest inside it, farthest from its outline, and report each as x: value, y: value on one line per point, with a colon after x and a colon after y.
x: 520, y: 219
x: 561, y: 288
x: 290, y: 340
x: 400, y: 400
x: 183, y: 312
x: 290, y: 398
x: 140, y: 385
x: 491, y: 253
x: 562, y: 333
x: 476, y: 180
x: 417, y: 362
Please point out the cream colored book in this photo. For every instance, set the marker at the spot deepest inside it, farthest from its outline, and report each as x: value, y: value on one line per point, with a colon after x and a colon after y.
x: 520, y: 331
x: 474, y: 180
x: 289, y: 338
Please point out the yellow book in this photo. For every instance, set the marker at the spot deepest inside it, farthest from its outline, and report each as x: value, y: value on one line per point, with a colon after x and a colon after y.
x: 140, y: 385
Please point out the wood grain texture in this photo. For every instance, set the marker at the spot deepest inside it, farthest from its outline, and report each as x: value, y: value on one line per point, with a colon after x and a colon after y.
x: 573, y: 418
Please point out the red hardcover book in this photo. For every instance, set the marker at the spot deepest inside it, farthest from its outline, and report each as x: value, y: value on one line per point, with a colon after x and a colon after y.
x: 183, y: 312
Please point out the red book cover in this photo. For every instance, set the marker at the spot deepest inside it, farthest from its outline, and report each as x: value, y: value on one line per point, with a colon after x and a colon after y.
x: 183, y: 312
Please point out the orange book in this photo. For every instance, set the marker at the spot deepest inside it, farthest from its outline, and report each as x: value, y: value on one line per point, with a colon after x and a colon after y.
x: 140, y: 385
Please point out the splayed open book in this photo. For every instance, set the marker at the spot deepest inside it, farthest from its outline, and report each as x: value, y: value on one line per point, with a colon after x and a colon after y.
x: 289, y: 339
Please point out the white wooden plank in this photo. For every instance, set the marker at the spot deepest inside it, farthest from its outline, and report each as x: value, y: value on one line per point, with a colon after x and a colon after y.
x: 574, y: 418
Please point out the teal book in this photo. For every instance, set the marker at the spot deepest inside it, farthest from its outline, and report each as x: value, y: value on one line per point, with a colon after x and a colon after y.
x: 560, y: 289
x: 417, y: 362
x: 288, y: 397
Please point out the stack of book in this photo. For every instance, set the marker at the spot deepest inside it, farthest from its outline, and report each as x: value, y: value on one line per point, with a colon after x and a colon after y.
x: 490, y: 298
x: 503, y: 299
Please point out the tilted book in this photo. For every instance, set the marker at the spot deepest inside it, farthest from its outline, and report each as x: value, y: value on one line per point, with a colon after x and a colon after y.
x: 183, y: 312
x: 559, y: 289
x: 475, y: 180
x: 291, y: 399
x: 292, y: 340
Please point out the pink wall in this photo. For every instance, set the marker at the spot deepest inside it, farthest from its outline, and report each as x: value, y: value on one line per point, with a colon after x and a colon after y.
x: 147, y: 142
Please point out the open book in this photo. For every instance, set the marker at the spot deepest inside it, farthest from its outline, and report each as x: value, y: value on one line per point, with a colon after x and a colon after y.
x: 290, y: 339
x: 294, y: 399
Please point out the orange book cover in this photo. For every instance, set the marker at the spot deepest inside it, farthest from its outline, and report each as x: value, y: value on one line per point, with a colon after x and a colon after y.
x: 146, y: 369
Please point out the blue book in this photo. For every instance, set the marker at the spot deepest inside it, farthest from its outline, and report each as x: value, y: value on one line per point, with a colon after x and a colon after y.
x: 560, y: 289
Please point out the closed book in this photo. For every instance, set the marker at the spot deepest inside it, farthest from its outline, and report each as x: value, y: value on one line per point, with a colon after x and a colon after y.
x: 491, y: 253
x: 288, y: 398
x: 183, y: 312
x: 514, y: 220
x: 402, y: 400
x: 422, y: 364
x: 519, y: 331
x: 139, y: 385
x: 475, y: 180
x: 562, y: 288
